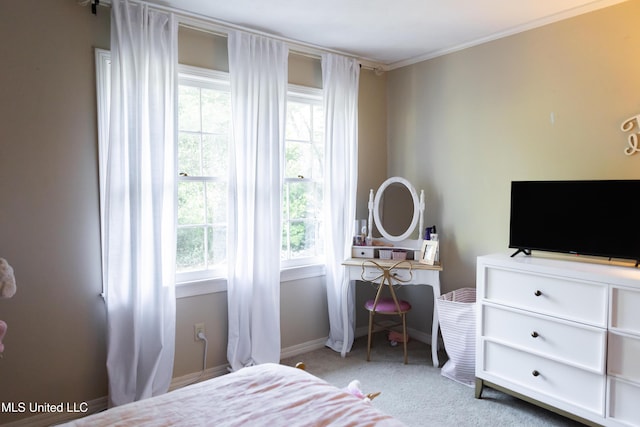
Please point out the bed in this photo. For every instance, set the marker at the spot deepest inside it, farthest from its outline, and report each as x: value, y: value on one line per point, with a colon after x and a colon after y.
x: 264, y: 395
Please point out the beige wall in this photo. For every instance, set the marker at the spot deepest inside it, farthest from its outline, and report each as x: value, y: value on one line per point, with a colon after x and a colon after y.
x: 464, y: 125
x: 202, y: 49
x: 49, y: 223
x: 372, y: 139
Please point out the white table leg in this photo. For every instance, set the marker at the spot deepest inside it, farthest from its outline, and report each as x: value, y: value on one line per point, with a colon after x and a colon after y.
x: 345, y: 316
x: 435, y: 327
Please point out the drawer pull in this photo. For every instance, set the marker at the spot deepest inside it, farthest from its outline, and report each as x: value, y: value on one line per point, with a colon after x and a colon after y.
x: 534, y: 334
x: 535, y: 373
x: 537, y: 293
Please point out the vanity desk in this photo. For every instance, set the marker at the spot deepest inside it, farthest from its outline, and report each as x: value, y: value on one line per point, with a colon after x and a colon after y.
x: 400, y: 198
x: 421, y: 274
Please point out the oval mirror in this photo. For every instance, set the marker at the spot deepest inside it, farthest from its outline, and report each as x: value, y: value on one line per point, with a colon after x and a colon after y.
x: 391, y: 191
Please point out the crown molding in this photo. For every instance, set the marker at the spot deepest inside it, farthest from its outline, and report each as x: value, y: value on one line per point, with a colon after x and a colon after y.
x: 590, y: 7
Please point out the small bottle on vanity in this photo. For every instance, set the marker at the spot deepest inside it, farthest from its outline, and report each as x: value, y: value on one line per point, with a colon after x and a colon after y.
x: 434, y: 236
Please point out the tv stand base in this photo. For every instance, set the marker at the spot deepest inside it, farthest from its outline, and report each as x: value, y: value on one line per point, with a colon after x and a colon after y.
x: 524, y: 251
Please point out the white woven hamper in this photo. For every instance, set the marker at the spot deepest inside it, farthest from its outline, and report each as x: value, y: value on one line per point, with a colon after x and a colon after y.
x: 457, y: 314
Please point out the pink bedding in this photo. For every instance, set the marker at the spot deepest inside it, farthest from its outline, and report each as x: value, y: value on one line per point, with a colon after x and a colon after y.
x: 264, y: 395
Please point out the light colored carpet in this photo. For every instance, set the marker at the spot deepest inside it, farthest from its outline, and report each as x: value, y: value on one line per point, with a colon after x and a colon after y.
x: 416, y: 393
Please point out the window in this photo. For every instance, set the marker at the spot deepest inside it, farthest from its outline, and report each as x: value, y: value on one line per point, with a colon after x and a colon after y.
x: 203, y: 143
x: 204, y: 123
x: 302, y: 241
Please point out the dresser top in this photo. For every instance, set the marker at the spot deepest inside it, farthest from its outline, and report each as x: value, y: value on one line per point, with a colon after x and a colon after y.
x: 584, y: 268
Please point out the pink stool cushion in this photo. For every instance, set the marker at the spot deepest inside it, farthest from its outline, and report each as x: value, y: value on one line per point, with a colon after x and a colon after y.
x: 386, y: 305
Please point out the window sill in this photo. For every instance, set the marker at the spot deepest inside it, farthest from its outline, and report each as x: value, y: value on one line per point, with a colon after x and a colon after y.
x: 200, y: 287
x: 212, y: 286
x: 302, y: 272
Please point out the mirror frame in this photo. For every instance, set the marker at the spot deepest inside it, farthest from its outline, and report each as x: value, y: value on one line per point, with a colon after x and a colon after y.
x: 416, y: 209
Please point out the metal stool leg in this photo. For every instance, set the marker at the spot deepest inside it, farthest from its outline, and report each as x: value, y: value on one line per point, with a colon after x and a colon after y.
x: 405, y: 337
x: 369, y: 338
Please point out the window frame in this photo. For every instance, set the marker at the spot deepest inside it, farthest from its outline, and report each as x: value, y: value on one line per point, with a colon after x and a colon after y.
x: 314, y: 96
x: 208, y: 79
x: 290, y: 270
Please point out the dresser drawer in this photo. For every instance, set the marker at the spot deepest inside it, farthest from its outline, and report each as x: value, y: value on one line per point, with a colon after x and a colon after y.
x: 625, y: 313
x: 362, y: 252
x: 623, y: 359
x: 573, y: 343
x: 562, y: 382
x: 556, y: 296
x: 623, y: 402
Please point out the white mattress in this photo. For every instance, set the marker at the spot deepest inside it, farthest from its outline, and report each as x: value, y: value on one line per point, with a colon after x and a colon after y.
x: 264, y: 395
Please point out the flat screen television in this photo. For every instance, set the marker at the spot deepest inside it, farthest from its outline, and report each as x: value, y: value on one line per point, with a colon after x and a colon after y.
x: 599, y: 218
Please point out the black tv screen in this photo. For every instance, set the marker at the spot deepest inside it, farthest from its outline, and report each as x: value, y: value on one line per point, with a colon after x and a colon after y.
x: 600, y: 218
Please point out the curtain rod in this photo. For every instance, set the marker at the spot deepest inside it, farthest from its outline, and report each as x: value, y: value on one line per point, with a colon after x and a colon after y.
x: 220, y: 28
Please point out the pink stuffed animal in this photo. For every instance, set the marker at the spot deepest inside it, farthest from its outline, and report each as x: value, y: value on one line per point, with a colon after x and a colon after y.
x: 7, y: 290
x: 355, y: 389
x: 3, y: 330
x: 7, y: 280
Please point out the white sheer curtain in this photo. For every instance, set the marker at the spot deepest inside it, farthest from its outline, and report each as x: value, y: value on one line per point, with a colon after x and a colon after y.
x: 340, y: 77
x: 139, y: 199
x: 258, y: 74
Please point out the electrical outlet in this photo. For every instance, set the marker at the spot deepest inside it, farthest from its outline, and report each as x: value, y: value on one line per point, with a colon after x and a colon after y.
x: 197, y: 328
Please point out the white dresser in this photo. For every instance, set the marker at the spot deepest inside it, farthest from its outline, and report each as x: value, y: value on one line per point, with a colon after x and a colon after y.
x: 562, y: 334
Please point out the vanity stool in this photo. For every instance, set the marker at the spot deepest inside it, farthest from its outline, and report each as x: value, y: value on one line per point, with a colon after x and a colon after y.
x: 387, y: 305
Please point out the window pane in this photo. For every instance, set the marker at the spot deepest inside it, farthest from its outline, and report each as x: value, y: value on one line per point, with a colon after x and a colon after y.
x: 189, y: 109
x: 297, y: 159
x: 318, y: 123
x: 216, y: 111
x: 190, y: 251
x: 317, y: 161
x: 304, y: 200
x: 217, y: 245
x: 215, y: 153
x: 303, y: 238
x: 189, y: 154
x: 298, y: 121
x: 216, y: 202
x: 190, y: 203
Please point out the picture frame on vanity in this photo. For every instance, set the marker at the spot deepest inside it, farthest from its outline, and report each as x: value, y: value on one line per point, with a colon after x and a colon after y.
x: 428, y: 252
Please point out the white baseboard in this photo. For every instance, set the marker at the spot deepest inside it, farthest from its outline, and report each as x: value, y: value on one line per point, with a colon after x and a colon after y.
x: 196, y: 377
x: 305, y: 347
